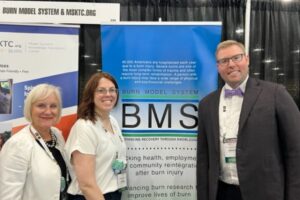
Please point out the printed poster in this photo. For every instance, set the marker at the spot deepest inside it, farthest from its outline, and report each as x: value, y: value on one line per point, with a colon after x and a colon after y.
x: 163, y: 70
x: 34, y: 54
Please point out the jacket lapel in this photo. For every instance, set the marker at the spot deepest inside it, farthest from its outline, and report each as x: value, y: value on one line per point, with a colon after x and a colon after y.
x: 215, y: 116
x: 253, y: 90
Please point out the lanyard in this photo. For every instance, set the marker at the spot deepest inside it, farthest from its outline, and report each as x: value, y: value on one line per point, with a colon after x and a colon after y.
x: 116, y: 140
x: 39, y: 139
x: 63, y: 181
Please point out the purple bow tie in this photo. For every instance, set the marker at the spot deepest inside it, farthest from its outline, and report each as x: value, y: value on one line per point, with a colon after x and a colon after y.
x: 234, y: 92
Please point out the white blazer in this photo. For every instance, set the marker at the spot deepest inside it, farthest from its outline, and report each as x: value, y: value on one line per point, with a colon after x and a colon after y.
x: 26, y: 171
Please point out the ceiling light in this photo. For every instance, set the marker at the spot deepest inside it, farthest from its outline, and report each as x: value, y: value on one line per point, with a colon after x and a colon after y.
x: 275, y: 68
x: 239, y: 31
x: 257, y: 50
x: 268, y: 61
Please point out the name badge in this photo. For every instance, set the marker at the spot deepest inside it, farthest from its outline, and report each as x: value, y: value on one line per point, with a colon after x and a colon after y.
x: 122, y: 181
x: 230, y: 149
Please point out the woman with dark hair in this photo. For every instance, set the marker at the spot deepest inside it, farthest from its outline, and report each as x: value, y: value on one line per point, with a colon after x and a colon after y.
x: 95, y: 146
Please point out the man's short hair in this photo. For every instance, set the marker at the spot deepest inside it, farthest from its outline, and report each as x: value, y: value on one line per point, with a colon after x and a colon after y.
x: 228, y: 43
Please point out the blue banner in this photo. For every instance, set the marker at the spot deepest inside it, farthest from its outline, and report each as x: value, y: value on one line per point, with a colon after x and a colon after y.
x: 163, y: 70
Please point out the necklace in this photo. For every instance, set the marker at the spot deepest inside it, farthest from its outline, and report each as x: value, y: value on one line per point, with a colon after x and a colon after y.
x: 108, y: 128
x: 53, y: 141
x: 105, y: 123
x: 49, y: 144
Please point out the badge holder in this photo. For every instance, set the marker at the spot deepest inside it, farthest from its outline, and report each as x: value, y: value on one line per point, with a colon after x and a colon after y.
x: 230, y: 150
x: 119, y: 167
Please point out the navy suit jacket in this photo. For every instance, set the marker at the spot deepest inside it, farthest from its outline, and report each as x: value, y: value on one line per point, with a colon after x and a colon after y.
x: 268, y: 144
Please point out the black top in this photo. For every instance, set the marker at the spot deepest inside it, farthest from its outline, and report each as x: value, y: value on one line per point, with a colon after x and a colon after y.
x: 62, y: 165
x: 59, y: 159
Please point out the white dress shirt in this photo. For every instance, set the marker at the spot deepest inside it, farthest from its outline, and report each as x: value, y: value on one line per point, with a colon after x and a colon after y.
x: 229, y: 115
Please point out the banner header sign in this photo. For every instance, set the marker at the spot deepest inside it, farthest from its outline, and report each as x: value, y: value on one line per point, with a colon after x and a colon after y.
x: 58, y: 12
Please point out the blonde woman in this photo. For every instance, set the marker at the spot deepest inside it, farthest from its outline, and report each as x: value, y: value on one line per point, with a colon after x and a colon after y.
x: 32, y: 164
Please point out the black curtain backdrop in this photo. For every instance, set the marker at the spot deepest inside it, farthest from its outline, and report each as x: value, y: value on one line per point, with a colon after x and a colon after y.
x: 274, y: 33
x: 275, y: 43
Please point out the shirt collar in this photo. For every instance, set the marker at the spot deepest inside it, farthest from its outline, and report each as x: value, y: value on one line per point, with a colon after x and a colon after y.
x: 242, y: 85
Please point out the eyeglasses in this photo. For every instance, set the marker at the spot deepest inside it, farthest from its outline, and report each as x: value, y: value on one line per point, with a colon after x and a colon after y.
x: 106, y: 90
x: 236, y: 59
